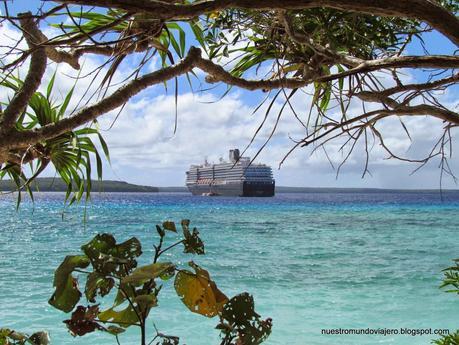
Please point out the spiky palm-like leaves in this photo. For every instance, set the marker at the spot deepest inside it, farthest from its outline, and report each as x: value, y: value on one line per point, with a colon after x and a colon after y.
x: 70, y: 153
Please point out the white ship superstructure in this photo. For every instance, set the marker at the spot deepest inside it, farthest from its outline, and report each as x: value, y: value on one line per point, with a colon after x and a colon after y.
x: 234, y: 178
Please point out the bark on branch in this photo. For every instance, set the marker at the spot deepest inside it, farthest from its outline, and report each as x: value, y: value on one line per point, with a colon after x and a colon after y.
x: 115, y: 100
x: 216, y: 73
x: 426, y: 11
x: 219, y: 74
x: 35, y: 73
x: 441, y: 83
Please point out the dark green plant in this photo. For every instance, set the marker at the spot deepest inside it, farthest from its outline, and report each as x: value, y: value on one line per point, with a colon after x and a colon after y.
x: 450, y: 339
x: 451, y: 282
x: 111, y: 269
x: 69, y: 153
x: 451, y: 278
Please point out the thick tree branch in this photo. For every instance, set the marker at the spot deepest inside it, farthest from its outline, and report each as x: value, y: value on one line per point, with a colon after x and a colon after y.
x: 427, y: 11
x: 32, y: 81
x: 441, y: 83
x: 429, y: 110
x: 432, y: 61
x: 72, y: 57
x: 403, y: 109
x: 219, y: 74
x: 115, y: 100
x: 216, y: 73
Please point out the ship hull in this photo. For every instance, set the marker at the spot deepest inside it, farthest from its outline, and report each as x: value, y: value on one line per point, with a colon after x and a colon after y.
x: 242, y: 189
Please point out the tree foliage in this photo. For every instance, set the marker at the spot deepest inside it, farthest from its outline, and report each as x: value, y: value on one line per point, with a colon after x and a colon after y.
x: 451, y: 278
x: 451, y: 283
x: 112, y: 270
x: 347, y: 53
x: 69, y: 153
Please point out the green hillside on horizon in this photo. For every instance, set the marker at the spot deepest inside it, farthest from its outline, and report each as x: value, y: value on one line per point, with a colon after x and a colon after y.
x: 50, y: 184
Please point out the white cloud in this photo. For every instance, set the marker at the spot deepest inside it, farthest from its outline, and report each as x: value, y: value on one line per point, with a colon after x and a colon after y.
x: 145, y: 150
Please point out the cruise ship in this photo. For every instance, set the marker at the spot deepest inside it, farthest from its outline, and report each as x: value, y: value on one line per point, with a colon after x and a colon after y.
x: 237, y: 177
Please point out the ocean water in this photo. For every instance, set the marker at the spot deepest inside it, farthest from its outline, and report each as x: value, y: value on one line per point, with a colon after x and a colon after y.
x: 312, y: 261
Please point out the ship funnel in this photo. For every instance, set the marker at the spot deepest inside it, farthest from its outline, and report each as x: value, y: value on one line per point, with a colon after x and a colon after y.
x: 234, y: 155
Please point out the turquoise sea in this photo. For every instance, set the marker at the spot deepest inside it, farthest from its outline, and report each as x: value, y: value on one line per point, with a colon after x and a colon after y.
x: 312, y: 261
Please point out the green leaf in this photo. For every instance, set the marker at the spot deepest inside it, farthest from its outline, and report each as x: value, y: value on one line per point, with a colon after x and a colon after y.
x: 13, y: 335
x: 325, y: 101
x: 107, y: 257
x: 450, y: 339
x: 240, y: 309
x: 67, y: 294
x: 124, y: 291
x: 451, y: 278
x: 182, y: 41
x: 104, y: 147
x: 160, y: 231
x: 239, y: 317
x: 175, y: 45
x: 169, y: 225
x: 192, y: 242
x: 97, y: 283
x: 145, y: 273
x: 124, y: 318
x: 198, y: 33
x: 341, y: 80
x: 146, y: 302
x: 49, y: 89
x: 64, y: 105
x: 115, y: 330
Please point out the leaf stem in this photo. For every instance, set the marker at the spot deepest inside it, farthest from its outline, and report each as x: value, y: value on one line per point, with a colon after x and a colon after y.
x: 170, y: 247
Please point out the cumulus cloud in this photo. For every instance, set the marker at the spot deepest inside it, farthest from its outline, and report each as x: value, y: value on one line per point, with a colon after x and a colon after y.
x: 145, y: 150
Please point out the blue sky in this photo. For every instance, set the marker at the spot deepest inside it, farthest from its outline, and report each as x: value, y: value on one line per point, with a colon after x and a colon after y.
x: 144, y: 149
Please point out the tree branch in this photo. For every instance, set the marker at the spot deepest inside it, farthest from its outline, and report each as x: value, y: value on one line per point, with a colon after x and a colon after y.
x: 427, y: 11
x: 115, y: 100
x: 216, y: 73
x: 34, y: 75
x: 307, y: 41
x: 410, y: 87
x: 432, y: 61
x: 219, y: 74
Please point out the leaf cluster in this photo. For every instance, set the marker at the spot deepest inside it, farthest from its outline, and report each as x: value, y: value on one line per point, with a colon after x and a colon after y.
x: 240, y: 324
x: 450, y: 339
x: 255, y: 37
x: 450, y: 281
x: 69, y: 153
x: 111, y: 269
x: 451, y: 278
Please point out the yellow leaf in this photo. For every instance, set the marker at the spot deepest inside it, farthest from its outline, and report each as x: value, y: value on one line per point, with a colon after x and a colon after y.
x: 198, y: 292
x: 214, y: 15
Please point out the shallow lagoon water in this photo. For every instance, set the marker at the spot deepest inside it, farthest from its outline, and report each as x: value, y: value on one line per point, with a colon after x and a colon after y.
x: 312, y: 261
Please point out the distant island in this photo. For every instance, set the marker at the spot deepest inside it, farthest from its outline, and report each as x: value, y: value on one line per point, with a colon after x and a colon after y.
x: 50, y: 184
x: 285, y: 189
